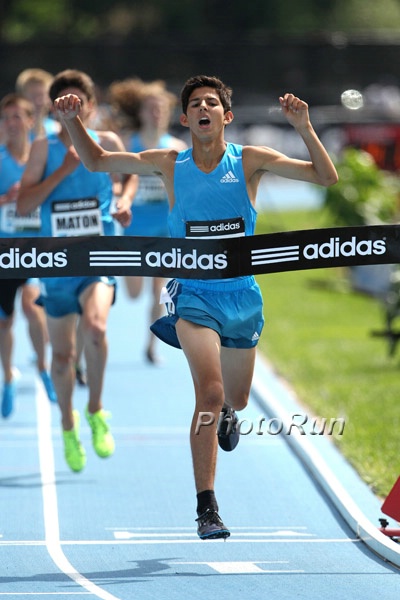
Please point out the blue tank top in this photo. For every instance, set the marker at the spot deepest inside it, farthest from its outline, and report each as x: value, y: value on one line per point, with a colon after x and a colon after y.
x: 211, y: 205
x: 80, y: 204
x: 151, y: 188
x: 12, y: 225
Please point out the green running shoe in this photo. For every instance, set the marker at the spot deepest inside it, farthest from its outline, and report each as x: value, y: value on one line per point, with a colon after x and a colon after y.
x: 74, y: 452
x: 102, y: 439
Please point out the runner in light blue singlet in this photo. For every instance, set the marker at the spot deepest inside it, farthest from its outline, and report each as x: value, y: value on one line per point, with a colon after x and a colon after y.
x: 12, y: 225
x: 76, y: 202
x: 79, y: 205
x: 148, y: 108
x: 150, y: 208
x: 17, y: 115
x: 211, y: 193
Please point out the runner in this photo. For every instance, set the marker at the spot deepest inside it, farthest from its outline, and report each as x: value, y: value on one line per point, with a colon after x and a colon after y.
x: 34, y: 84
x: 17, y: 115
x: 146, y: 110
x: 73, y: 202
x: 218, y: 323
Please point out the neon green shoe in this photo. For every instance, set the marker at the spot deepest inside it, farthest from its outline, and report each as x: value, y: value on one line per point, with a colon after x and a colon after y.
x: 74, y: 452
x: 102, y: 439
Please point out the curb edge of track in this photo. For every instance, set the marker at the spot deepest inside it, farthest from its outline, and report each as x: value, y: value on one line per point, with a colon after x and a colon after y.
x: 320, y: 456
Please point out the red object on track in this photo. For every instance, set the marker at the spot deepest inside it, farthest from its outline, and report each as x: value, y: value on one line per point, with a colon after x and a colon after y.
x: 391, y: 505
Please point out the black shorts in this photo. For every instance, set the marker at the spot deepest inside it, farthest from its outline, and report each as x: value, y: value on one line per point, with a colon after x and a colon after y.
x: 8, y: 291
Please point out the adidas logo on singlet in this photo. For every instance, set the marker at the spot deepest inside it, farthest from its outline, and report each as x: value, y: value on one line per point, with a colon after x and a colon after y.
x: 229, y: 178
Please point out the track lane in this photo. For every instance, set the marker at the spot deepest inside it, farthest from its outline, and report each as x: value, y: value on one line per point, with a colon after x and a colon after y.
x: 126, y: 524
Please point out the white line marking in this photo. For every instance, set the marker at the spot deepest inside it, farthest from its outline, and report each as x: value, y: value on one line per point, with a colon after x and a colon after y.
x: 245, y: 528
x: 50, y: 505
x: 243, y: 567
x: 126, y: 535
x: 195, y: 540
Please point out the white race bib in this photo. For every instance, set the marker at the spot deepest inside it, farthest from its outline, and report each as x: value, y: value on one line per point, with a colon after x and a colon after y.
x: 76, y: 217
x: 12, y: 223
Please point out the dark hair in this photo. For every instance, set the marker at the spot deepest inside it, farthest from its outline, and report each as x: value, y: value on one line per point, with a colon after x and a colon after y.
x: 14, y: 99
x: 72, y: 78
x: 199, y: 81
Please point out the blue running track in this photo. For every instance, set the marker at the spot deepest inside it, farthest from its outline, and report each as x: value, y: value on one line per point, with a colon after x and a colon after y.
x: 125, y: 527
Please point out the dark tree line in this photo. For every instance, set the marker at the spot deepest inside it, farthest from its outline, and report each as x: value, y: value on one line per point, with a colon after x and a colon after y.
x: 25, y: 20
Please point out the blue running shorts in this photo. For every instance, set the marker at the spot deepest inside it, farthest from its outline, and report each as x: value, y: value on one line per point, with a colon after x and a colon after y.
x: 233, y: 308
x: 60, y: 295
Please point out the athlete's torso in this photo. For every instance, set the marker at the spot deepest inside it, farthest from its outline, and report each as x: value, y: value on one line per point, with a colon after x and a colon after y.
x: 212, y: 204
x: 151, y: 188
x: 12, y: 225
x: 80, y: 204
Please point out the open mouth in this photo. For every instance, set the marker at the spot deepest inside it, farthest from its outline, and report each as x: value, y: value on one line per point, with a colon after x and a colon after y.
x: 204, y: 121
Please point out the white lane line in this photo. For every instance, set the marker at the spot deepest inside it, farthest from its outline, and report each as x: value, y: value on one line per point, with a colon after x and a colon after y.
x: 49, y: 495
x: 296, y: 528
x: 127, y: 535
x: 181, y: 540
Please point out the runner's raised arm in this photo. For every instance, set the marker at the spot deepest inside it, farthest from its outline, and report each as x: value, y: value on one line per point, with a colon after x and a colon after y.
x: 94, y: 156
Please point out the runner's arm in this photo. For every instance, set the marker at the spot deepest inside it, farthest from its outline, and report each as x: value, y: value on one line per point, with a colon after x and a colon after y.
x: 34, y: 190
x: 94, y: 156
x: 319, y: 169
x: 124, y: 200
x: 125, y: 186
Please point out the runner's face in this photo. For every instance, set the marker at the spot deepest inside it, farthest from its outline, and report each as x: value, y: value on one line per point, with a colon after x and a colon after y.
x: 155, y: 112
x: 205, y: 113
x: 37, y: 93
x: 16, y: 121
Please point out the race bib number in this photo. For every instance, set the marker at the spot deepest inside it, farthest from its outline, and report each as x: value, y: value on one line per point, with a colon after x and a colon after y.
x: 12, y: 223
x: 216, y: 229
x: 151, y: 189
x: 76, y: 217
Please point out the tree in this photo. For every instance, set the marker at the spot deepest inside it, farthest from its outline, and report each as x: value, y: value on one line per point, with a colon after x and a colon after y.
x: 22, y: 20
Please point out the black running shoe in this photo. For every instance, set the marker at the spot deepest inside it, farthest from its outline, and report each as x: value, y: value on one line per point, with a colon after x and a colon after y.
x: 210, y: 526
x: 228, y: 433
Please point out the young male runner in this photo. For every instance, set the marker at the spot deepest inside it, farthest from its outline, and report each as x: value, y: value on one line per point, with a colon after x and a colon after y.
x: 73, y: 202
x: 17, y: 114
x: 218, y: 323
x: 146, y: 109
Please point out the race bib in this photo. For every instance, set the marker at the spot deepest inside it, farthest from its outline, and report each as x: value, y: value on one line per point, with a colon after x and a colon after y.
x: 216, y: 229
x: 151, y: 189
x: 76, y: 217
x: 12, y: 223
